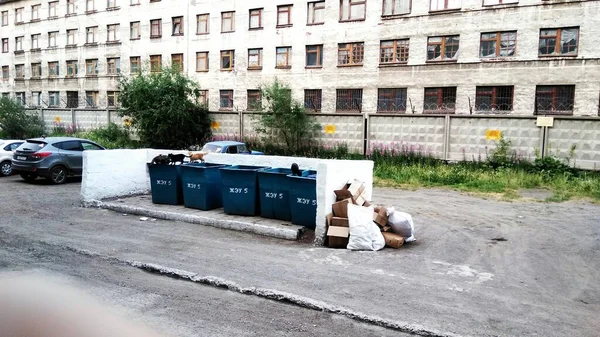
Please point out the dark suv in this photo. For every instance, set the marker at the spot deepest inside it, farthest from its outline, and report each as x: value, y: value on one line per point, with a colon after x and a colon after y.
x: 54, y: 158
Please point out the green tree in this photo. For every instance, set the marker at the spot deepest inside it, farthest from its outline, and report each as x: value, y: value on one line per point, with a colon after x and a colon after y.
x: 163, y: 108
x: 283, y: 118
x: 16, y: 122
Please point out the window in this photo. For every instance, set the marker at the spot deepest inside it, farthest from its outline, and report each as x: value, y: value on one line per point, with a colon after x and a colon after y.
x: 5, y: 45
x: 20, y: 97
x: 312, y: 99
x: 284, y: 15
x: 91, y: 67
x: 19, y: 71
x: 5, y: 73
x: 499, y: 44
x: 177, y: 25
x: 314, y: 56
x: 53, y: 69
x: 91, y: 99
x: 35, y: 41
x: 316, y: 13
x: 254, y: 100
x: 391, y: 100
x: 440, y: 5
x: 90, y: 35
x: 90, y: 6
x: 203, y: 97
x: 71, y: 37
x: 113, y: 66
x: 70, y: 7
x: 351, y: 10
x: 19, y: 43
x: 53, y: 98
x: 134, y: 64
x: 155, y: 28
x: 112, y: 33
x: 202, y: 61
x: 112, y: 98
x: 494, y: 99
x: 442, y: 48
x: 111, y: 4
x: 71, y: 145
x: 155, y: 63
x: 134, y: 30
x: 396, y: 7
x: 72, y: 68
x: 499, y: 2
x: 554, y: 99
x: 559, y: 42
x: 19, y: 15
x: 226, y: 100
x: 440, y: 100
x: 52, y: 36
x: 284, y: 57
x: 227, y: 22
x: 90, y: 147
x: 350, y: 54
x: 348, y: 100
x: 52, y: 9
x: 394, y: 51
x: 177, y: 62
x: 255, y: 58
x: 36, y: 70
x: 256, y: 18
x: 227, y: 60
x: 202, y: 24
x: 35, y: 12
x: 72, y: 99
x: 36, y: 98
x: 5, y: 18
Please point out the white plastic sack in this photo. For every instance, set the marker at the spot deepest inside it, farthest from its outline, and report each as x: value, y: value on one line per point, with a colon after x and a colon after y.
x: 364, y: 233
x: 402, y: 224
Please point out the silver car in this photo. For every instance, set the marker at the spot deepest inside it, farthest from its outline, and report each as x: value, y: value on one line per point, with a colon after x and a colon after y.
x: 7, y: 150
x: 54, y: 158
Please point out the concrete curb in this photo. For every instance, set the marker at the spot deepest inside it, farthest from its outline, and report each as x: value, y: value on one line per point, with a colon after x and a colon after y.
x: 292, y: 233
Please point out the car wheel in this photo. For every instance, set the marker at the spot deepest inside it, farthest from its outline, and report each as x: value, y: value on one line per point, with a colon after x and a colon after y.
x: 5, y: 168
x: 29, y: 177
x: 58, y: 175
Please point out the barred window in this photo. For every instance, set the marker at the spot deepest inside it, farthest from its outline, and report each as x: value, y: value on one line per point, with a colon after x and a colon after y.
x: 494, y: 99
x: 554, y: 99
x: 312, y: 99
x: 440, y: 100
x: 348, y: 100
x: 391, y: 100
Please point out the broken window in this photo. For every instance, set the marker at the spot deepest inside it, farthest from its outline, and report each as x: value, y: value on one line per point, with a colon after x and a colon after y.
x: 351, y: 53
x: 394, y: 51
x: 559, y: 41
x: 494, y: 99
x: 440, y: 100
x: 499, y: 44
x: 178, y: 25
x: 554, y: 99
x: 442, y: 48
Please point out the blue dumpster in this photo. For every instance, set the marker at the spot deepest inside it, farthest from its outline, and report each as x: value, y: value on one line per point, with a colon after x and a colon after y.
x: 303, y: 198
x: 201, y: 184
x: 274, y: 193
x: 240, y: 189
x: 165, y: 184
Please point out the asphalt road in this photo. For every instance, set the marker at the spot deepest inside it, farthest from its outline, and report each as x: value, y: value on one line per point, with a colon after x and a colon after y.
x: 479, y: 268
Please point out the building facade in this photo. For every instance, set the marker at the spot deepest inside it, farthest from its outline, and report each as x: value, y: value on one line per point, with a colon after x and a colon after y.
x: 351, y: 56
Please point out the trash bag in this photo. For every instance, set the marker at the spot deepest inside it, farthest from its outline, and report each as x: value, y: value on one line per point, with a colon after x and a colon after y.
x: 364, y: 233
x: 402, y: 224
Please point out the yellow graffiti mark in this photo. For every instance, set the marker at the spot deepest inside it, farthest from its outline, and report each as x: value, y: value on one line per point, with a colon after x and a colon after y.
x: 329, y: 129
x: 215, y: 125
x: 57, y: 119
x: 493, y: 134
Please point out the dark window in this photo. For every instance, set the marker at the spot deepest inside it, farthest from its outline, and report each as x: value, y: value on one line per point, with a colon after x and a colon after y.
x: 348, y: 100
x: 12, y: 147
x: 554, y: 99
x: 71, y: 145
x: 494, y: 99
x: 232, y: 149
x: 226, y: 100
x: 391, y: 100
x: 90, y: 146
x: 177, y: 25
x: 440, y: 100
x: 254, y: 100
x: 314, y: 56
x: 312, y: 99
x: 72, y: 99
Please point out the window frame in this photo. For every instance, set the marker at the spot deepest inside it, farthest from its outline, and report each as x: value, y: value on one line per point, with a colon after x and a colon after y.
x: 4, y: 18
x: 52, y: 7
x: 36, y: 98
x: 72, y: 66
x: 443, y: 46
x: 90, y: 6
x: 53, y: 98
x: 115, y: 96
x: 492, y: 91
x: 36, y: 70
x: 446, y: 8
x: 349, y: 92
x: 229, y: 96
x: 5, y: 72
x: 316, y: 5
x: 94, y: 98
x: 202, y: 55
x: 19, y: 68
x: 35, y: 12
x: 114, y: 4
x: 439, y: 101
x: 391, y: 94
x: 231, y: 17
x: 259, y: 52
x: 557, y: 44
x: 137, y: 61
x: 227, y: 53
x: 113, y: 29
x: 177, y: 60
x: 256, y: 96
x: 350, y: 4
x: 395, y: 47
x: 350, y: 49
x: 206, y: 23
x: 498, y: 39
x: 71, y: 33
x: 19, y: 43
x: 202, y: 97
x: 319, y: 56
x: 53, y: 37
x: 53, y: 67
x: 318, y: 97
x: 156, y: 23
x: 288, y: 57
x: 281, y: 9
x: 70, y: 7
x: 392, y: 14
x: 19, y: 12
x: 174, y: 23
x: 72, y: 103
x: 555, y: 96
x: 94, y: 64
x: 93, y: 31
x: 251, y: 14
x: 155, y: 63
x: 500, y: 3
x: 5, y: 45
x: 113, y: 66
x: 135, y: 26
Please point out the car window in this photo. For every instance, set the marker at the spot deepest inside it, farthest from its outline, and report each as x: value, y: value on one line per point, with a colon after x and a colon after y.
x: 242, y: 149
x: 32, y: 145
x: 211, y: 148
x: 70, y: 145
x: 13, y: 146
x: 232, y: 149
x: 90, y: 146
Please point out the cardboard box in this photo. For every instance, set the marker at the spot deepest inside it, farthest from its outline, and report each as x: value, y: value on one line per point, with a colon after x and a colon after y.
x: 360, y: 201
x: 356, y: 188
x: 340, y: 208
x: 338, y: 237
x: 343, y: 193
x: 393, y: 240
x: 380, y: 216
x: 339, y: 222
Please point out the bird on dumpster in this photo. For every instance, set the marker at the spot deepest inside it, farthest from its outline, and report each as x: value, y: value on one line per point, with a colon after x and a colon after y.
x: 295, y: 170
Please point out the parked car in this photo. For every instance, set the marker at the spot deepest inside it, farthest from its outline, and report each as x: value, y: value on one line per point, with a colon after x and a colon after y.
x: 228, y: 146
x: 54, y: 158
x: 7, y: 149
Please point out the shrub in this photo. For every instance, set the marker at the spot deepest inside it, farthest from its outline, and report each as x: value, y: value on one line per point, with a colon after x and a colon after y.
x: 16, y: 123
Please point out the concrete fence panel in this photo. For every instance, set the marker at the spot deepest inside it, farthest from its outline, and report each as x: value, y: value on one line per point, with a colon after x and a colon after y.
x: 421, y: 133
x: 342, y: 128
x: 55, y: 117
x: 93, y: 119
x: 249, y: 120
x: 225, y: 124
x: 473, y: 137
x: 578, y: 134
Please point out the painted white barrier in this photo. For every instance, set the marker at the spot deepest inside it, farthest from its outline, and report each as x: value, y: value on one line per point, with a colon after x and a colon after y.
x: 116, y: 173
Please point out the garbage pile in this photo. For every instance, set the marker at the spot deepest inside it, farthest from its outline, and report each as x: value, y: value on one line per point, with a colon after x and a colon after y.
x: 356, y: 224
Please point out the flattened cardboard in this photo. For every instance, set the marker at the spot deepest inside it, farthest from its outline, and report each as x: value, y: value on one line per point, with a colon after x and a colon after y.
x: 343, y: 193
x: 393, y: 240
x: 339, y: 222
x: 340, y: 208
x: 359, y: 201
x: 380, y: 216
x: 356, y: 188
